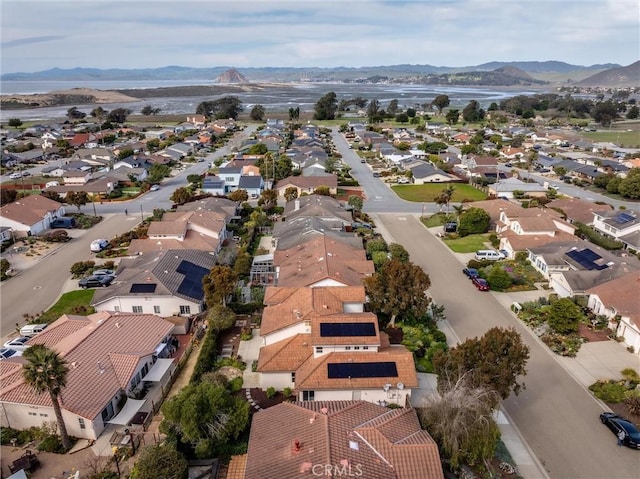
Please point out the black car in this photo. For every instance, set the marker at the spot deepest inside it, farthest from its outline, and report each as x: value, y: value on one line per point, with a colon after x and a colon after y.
x: 96, y: 281
x: 618, y: 423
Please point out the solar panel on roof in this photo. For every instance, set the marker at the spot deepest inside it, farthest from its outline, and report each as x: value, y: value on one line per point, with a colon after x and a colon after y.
x: 362, y: 370
x: 347, y: 329
x: 143, y: 288
x: 585, y: 258
x: 623, y: 218
x: 191, y: 285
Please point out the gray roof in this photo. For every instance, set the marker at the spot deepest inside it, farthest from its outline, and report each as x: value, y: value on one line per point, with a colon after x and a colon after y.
x: 250, y: 182
x: 212, y: 182
x: 174, y: 272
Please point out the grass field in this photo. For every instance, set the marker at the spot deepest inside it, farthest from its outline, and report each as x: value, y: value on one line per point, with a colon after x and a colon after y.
x: 73, y: 302
x: 624, y: 138
x: 427, y: 193
x: 468, y: 244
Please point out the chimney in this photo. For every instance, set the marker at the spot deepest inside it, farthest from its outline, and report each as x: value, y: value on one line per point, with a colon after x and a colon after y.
x: 296, y: 205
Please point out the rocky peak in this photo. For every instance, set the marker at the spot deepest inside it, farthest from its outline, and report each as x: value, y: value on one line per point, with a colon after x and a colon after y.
x: 231, y: 76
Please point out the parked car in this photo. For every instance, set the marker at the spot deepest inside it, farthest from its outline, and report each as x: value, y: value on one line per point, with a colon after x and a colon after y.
x: 403, y: 180
x: 17, y: 344
x: 104, y: 272
x: 15, y: 176
x: 32, y: 329
x: 9, y: 353
x: 489, y: 254
x: 63, y: 222
x: 480, y: 283
x: 471, y: 272
x: 154, y: 188
x: 362, y: 160
x: 618, y: 423
x: 98, y: 245
x: 96, y: 281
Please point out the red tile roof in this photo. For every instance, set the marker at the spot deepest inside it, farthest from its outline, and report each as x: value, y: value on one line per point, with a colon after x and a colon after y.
x: 102, y: 353
x: 293, y: 440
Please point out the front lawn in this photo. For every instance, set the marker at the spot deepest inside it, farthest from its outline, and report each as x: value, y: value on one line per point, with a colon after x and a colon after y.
x: 468, y: 244
x: 73, y: 302
x: 427, y: 193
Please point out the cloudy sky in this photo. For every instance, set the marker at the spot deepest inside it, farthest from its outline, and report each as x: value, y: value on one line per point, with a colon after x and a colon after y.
x: 38, y: 35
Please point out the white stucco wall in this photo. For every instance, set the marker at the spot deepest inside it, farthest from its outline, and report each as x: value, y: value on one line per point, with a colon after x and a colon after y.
x: 298, y: 328
x: 279, y: 380
x: 169, y: 305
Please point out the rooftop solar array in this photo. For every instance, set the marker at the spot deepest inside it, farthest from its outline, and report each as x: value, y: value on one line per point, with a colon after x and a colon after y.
x: 347, y: 329
x: 143, y: 288
x: 191, y: 285
x: 586, y: 258
x: 362, y: 370
x: 623, y: 218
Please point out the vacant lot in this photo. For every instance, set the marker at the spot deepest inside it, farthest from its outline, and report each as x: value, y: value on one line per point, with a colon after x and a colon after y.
x: 427, y: 193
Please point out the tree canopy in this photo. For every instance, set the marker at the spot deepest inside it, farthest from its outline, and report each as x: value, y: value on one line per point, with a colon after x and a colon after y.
x: 326, y: 107
x: 472, y: 221
x: 441, y: 102
x: 226, y: 107
x: 161, y: 461
x: 257, y: 113
x: 218, y: 285
x: 206, y: 416
x: 46, y: 371
x: 495, y: 361
x: 399, y: 288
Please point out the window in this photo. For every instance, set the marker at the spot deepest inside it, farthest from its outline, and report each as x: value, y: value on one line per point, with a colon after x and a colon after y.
x: 318, y: 349
x: 293, y: 377
x: 81, y: 422
x: 365, y: 347
x: 156, y: 310
x: 308, y: 395
x: 356, y: 347
x: 347, y: 348
x: 43, y: 415
x: 136, y: 309
x: 185, y: 309
x: 33, y: 414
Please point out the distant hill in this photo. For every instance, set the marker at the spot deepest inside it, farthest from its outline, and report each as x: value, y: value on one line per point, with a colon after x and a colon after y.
x: 544, y: 67
x: 621, y: 77
x: 232, y: 76
x: 493, y: 73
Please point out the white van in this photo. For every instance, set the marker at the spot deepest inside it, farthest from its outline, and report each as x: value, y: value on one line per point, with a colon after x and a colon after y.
x: 488, y: 254
x: 31, y: 330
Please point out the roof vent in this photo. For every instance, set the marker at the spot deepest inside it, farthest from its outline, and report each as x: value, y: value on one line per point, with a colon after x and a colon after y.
x: 75, y: 364
x: 297, y: 446
x: 354, y: 445
x: 118, y: 325
x: 324, y: 410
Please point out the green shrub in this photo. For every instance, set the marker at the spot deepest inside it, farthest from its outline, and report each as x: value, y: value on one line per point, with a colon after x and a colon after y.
x: 479, y: 264
x: 609, y: 391
x: 287, y: 392
x: 81, y: 267
x: 498, y: 278
x: 522, y: 257
x: 52, y: 444
x: 235, y: 384
x: 207, y: 357
x: 271, y: 392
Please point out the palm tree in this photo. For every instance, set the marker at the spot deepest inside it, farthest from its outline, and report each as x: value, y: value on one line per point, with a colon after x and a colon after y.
x: 46, y: 371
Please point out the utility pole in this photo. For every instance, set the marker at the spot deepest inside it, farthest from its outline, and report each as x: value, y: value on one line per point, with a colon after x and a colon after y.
x: 141, y: 214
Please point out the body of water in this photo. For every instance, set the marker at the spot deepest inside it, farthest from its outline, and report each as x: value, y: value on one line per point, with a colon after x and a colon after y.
x: 274, y: 98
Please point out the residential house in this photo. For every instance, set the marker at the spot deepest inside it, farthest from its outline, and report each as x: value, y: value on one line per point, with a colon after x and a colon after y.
x: 101, y: 186
x: 578, y: 210
x: 231, y: 177
x: 166, y: 283
x: 182, y: 149
x: 424, y: 172
x: 309, y: 332
x: 198, y: 121
x: 213, y: 185
x: 253, y: 185
x: 109, y: 356
x: 623, y: 226
x: 221, y: 205
x: 221, y: 126
x: 575, y: 267
x: 507, y: 187
x: 76, y: 177
x: 31, y: 215
x: 532, y: 227
x: 322, y: 261
x: 307, y: 184
x: 196, y: 230
x: 618, y: 301
x: 338, y: 439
